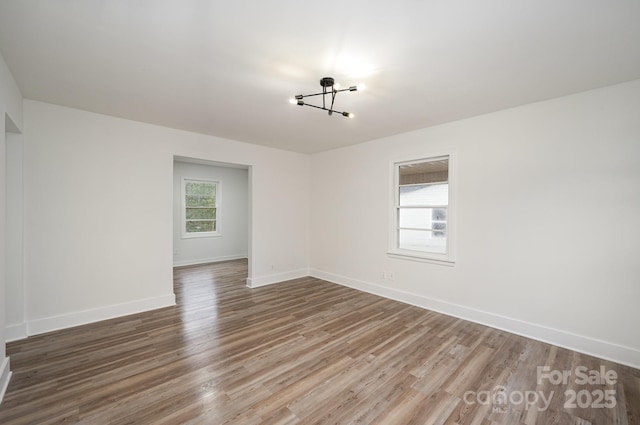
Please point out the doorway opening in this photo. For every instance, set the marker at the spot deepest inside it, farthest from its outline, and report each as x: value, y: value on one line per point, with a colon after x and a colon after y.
x: 211, y: 212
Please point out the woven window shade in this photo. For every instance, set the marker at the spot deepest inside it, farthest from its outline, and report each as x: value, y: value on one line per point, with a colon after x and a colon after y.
x: 425, y: 172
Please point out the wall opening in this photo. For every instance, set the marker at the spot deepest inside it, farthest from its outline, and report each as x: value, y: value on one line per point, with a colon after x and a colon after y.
x: 229, y: 209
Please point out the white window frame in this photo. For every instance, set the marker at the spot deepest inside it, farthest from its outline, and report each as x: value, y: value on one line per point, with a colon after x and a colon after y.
x: 189, y: 235
x: 394, y: 250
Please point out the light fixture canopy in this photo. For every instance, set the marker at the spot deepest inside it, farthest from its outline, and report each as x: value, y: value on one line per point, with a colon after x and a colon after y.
x: 329, y: 88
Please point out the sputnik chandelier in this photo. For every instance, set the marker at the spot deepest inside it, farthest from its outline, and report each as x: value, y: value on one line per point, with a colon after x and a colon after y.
x: 329, y: 88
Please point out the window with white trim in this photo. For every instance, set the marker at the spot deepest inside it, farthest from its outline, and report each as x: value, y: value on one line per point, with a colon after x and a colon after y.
x: 200, y: 208
x: 422, y: 214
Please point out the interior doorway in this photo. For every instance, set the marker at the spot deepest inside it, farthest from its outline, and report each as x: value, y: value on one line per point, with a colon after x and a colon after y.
x: 211, y: 211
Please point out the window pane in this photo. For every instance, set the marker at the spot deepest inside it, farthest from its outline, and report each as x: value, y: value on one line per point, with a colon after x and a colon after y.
x: 439, y: 214
x: 421, y: 218
x: 439, y: 226
x: 200, y: 188
x: 199, y: 213
x: 201, y: 226
x: 199, y: 201
x: 428, y: 194
x: 422, y: 240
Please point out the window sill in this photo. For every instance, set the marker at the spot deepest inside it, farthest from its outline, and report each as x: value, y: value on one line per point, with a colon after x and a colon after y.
x: 422, y: 259
x: 201, y: 235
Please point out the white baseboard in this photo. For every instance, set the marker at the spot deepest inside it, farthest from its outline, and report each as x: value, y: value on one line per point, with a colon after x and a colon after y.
x: 5, y: 377
x: 594, y: 347
x: 254, y: 282
x: 16, y: 332
x: 208, y: 260
x: 55, y: 323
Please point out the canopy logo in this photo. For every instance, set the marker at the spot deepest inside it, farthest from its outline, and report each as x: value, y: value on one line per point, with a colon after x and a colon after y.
x: 500, y: 399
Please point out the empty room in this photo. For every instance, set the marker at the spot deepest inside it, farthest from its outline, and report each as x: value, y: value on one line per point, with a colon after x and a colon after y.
x: 288, y: 212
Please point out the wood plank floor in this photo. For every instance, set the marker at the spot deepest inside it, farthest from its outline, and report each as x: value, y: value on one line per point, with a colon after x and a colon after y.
x: 300, y: 352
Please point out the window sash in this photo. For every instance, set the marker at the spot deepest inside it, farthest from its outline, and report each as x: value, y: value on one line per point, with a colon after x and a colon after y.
x: 435, y: 229
x: 200, y: 205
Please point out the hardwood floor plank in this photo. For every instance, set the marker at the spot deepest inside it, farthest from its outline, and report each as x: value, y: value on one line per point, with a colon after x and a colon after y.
x: 299, y: 352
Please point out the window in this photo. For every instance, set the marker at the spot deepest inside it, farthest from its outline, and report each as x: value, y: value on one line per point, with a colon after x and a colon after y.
x: 200, y: 208
x: 422, y: 211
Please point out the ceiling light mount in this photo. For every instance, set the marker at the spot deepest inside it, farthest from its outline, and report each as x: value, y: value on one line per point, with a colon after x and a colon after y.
x: 327, y: 82
x: 329, y: 88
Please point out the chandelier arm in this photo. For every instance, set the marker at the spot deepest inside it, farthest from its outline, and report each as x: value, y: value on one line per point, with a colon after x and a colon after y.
x: 319, y: 94
x: 324, y: 109
x: 314, y: 94
x: 333, y: 98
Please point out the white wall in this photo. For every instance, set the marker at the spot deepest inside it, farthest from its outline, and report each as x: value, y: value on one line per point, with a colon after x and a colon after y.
x: 11, y: 114
x: 548, y: 208
x: 232, y: 215
x: 99, y: 213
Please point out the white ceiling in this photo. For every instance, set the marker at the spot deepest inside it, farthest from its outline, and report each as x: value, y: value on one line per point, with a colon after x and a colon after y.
x: 228, y: 68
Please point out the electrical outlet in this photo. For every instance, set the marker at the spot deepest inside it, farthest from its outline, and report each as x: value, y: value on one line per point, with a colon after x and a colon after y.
x: 391, y: 276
